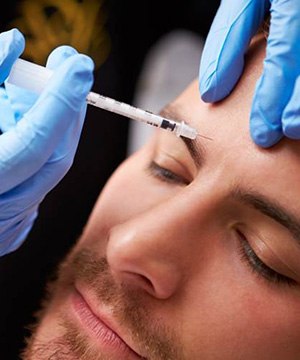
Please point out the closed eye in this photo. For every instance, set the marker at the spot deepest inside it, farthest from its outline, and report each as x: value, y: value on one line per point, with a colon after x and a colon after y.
x: 249, y: 257
x: 165, y: 174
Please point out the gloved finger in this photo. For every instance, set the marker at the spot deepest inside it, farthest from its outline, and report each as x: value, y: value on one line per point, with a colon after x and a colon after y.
x: 222, y: 60
x: 22, y: 198
x: 7, y: 117
x: 31, y: 192
x: 12, y: 44
x: 24, y: 150
x: 66, y: 148
x: 21, y: 99
x: 59, y: 55
x: 64, y: 153
x: 291, y: 114
x: 281, y: 68
x: 13, y: 235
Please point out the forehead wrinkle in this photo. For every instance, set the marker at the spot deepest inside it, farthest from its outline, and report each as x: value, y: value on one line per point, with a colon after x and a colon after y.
x: 195, y: 148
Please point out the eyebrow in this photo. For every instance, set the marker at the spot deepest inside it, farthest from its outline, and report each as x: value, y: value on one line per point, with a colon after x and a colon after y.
x: 194, y: 147
x: 270, y: 208
x: 253, y: 199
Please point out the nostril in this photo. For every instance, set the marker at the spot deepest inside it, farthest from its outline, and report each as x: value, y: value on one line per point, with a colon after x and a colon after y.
x: 148, y: 284
x: 139, y: 281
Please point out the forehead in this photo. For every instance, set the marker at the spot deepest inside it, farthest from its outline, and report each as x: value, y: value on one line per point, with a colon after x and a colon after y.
x: 275, y: 171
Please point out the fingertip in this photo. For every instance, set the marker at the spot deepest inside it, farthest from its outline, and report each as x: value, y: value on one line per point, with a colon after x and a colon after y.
x: 211, y: 92
x: 206, y: 92
x: 59, y: 55
x: 88, y: 62
x: 83, y: 67
x: 262, y: 134
x: 219, y: 83
x: 209, y: 88
x: 291, y: 114
x: 12, y: 44
x: 214, y: 92
x: 17, y: 37
x: 292, y: 132
x: 291, y: 125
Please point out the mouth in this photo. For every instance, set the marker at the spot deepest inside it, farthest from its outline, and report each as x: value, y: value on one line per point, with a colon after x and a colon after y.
x: 102, y: 328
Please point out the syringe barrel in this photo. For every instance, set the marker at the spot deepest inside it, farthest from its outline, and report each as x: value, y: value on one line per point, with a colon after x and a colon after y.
x: 124, y: 109
x: 30, y: 76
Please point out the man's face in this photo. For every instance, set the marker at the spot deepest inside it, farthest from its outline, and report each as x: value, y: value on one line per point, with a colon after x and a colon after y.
x: 192, y: 250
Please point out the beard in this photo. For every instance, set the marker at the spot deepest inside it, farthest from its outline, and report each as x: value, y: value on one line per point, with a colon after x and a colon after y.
x: 131, y: 307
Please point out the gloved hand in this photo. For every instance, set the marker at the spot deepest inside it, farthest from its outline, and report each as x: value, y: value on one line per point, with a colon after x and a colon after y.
x: 40, y: 134
x: 275, y: 108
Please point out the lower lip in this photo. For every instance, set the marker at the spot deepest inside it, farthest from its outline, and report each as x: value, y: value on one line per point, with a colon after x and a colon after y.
x: 109, y: 341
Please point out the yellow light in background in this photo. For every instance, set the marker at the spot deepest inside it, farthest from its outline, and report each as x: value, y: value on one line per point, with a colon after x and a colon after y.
x: 50, y: 23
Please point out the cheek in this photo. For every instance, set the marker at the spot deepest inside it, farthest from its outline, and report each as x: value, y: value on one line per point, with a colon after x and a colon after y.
x: 223, y: 305
x: 115, y: 204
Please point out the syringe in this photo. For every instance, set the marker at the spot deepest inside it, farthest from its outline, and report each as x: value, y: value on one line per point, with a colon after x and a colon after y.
x: 106, y: 103
x: 34, y: 77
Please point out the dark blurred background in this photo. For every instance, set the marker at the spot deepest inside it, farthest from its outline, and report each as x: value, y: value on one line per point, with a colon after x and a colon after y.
x: 117, y: 35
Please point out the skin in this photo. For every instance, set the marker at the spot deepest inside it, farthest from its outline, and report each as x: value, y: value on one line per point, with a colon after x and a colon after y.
x: 175, y: 278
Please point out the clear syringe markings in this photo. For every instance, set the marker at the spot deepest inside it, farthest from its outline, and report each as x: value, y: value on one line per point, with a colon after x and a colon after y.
x: 34, y: 77
x: 132, y: 112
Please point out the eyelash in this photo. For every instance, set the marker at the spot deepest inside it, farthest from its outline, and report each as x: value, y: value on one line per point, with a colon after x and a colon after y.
x: 165, y: 175
x: 249, y: 257
x: 247, y: 254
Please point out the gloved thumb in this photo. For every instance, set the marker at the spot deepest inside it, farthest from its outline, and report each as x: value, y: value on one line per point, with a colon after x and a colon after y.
x: 12, y: 44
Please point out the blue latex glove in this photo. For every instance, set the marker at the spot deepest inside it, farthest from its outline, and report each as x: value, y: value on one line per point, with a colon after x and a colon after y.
x: 40, y: 135
x: 275, y: 109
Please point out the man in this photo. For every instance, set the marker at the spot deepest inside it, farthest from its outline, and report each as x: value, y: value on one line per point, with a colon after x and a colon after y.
x: 192, y: 250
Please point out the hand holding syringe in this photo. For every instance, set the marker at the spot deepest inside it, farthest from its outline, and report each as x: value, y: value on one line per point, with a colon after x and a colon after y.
x: 34, y: 77
x: 39, y: 136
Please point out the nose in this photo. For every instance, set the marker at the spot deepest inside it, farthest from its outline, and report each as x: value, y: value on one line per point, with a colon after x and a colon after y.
x: 150, y: 251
